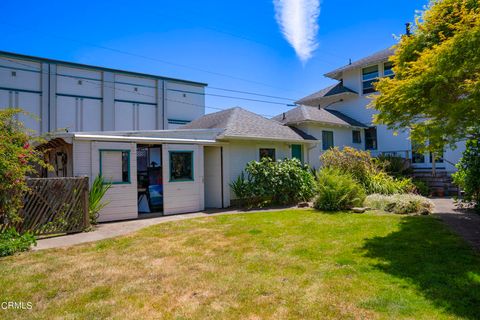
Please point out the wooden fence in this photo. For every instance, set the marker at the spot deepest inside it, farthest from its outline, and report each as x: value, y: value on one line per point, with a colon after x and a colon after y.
x: 54, y: 205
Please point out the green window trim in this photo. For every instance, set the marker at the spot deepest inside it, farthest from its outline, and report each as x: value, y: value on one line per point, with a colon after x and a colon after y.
x: 297, y: 152
x: 128, y: 163
x: 327, y: 140
x: 172, y: 152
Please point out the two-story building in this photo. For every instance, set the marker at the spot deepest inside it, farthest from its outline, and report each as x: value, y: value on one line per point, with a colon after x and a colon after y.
x: 348, y: 99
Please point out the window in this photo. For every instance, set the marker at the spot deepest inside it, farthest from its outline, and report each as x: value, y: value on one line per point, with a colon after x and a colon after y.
x: 356, y: 136
x: 267, y: 153
x: 417, y: 157
x: 438, y: 158
x: 327, y: 140
x: 388, y: 69
x: 115, y: 166
x: 369, y: 77
x: 371, y: 138
x: 297, y: 151
x: 181, y: 165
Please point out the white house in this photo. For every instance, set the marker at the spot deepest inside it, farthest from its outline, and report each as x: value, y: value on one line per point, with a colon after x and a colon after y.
x: 75, y: 97
x: 174, y: 171
x: 348, y: 99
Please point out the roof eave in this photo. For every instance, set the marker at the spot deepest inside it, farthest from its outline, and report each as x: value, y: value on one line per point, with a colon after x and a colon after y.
x: 325, y: 98
x: 256, y: 138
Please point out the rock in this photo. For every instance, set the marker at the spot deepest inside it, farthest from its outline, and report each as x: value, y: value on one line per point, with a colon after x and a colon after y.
x: 303, y: 205
x: 359, y: 210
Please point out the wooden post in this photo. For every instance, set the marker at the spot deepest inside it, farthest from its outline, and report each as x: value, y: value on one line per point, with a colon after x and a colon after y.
x: 86, y: 217
x: 434, y: 173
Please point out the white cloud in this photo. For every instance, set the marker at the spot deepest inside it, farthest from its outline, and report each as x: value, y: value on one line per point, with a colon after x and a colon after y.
x: 298, y: 21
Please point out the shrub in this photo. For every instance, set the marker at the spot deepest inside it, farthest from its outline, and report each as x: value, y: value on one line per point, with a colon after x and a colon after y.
x: 18, y: 159
x: 400, y: 203
x: 368, y: 171
x: 421, y: 187
x: 381, y: 182
x: 95, y: 196
x: 395, y: 166
x: 274, y: 182
x: 11, y: 242
x: 337, y: 191
x: 467, y: 176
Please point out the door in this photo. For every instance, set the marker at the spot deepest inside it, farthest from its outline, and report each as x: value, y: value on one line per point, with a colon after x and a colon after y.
x: 183, y: 189
x: 213, y: 177
x: 297, y: 152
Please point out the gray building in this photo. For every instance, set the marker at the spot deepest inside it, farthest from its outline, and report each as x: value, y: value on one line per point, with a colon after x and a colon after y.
x: 66, y: 96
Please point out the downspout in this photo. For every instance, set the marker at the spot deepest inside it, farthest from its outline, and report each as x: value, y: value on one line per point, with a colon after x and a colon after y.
x: 221, y: 174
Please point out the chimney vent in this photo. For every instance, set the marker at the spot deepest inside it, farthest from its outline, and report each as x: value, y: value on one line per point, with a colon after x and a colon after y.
x: 407, y: 29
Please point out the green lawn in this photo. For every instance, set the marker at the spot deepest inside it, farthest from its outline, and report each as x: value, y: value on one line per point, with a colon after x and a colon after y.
x: 298, y: 264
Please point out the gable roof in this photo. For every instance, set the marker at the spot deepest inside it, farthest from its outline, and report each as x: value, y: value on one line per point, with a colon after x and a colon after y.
x: 240, y: 123
x: 336, y: 90
x: 364, y: 62
x: 320, y: 115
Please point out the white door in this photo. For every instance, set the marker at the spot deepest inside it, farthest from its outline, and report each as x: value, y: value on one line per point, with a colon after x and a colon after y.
x: 213, y: 177
x: 183, y: 189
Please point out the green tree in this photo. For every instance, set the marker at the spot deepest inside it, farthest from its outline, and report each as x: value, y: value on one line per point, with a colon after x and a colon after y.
x: 468, y: 175
x: 436, y: 89
x: 18, y: 159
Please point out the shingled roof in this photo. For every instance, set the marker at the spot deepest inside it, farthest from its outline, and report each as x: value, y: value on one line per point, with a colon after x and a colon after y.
x: 334, y: 91
x: 320, y: 115
x: 371, y: 59
x: 240, y: 123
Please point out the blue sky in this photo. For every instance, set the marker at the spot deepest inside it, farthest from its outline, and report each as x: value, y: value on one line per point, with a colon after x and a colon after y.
x: 239, y: 39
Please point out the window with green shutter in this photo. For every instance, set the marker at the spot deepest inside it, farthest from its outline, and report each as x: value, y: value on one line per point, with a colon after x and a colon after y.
x: 327, y: 140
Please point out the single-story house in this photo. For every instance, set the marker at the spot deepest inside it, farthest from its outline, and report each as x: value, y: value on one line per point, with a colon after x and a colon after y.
x: 175, y: 171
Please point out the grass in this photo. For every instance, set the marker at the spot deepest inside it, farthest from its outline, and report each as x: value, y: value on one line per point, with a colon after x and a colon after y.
x: 296, y: 264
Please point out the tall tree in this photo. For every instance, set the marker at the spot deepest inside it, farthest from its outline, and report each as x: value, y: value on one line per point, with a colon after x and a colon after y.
x: 436, y: 89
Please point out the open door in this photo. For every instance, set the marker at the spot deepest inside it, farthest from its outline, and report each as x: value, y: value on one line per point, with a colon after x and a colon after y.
x: 183, y: 189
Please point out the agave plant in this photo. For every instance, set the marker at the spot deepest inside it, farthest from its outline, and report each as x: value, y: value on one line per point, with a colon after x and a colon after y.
x: 95, y: 196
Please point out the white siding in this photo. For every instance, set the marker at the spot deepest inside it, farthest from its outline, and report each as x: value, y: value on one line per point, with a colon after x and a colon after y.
x: 184, y: 102
x: 121, y: 198
x: 82, y: 159
x: 124, y: 116
x: 152, y: 100
x: 183, y: 196
x: 342, y: 137
x: 27, y: 75
x: 239, y: 153
x: 136, y: 89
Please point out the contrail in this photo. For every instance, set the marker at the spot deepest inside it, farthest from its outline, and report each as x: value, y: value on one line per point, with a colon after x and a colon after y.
x: 298, y: 21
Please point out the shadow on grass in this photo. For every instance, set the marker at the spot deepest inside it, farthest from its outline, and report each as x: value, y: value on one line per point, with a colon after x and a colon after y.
x: 443, y: 268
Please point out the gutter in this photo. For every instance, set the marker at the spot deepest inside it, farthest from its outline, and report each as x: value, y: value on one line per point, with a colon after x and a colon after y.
x: 140, y: 139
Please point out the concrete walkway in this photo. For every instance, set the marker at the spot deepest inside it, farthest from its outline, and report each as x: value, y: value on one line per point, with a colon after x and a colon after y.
x: 463, y: 222
x: 114, y: 229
